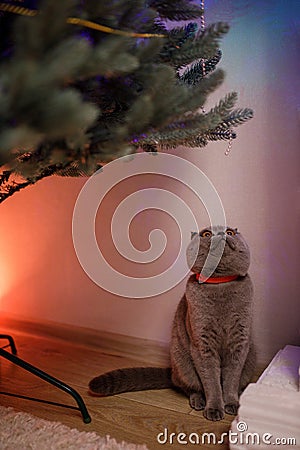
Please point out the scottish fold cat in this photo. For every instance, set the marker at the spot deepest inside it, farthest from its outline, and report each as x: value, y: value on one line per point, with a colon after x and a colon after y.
x: 211, y: 351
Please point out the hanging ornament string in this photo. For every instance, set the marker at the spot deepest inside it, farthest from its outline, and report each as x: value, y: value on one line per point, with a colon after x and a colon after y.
x: 228, y: 150
x: 202, y: 29
x: 77, y: 21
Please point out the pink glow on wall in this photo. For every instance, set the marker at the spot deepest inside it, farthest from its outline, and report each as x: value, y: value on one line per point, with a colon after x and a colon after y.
x: 5, y: 279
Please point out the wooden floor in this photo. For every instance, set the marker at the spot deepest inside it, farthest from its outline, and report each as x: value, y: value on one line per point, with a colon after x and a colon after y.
x: 77, y: 355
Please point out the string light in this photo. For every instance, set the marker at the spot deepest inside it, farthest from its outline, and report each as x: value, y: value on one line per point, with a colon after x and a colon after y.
x: 81, y: 22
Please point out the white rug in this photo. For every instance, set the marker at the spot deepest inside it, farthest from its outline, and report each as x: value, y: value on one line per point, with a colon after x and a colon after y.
x: 22, y: 431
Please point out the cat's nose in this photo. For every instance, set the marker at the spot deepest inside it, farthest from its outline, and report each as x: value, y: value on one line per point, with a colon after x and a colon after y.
x: 215, y: 241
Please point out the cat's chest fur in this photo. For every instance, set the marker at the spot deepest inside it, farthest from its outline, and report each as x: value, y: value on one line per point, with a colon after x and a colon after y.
x: 218, y: 313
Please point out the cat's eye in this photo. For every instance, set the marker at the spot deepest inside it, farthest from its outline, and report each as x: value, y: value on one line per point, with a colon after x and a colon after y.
x: 230, y: 232
x: 206, y: 234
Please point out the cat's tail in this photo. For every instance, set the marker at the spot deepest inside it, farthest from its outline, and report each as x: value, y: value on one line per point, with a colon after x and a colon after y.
x: 131, y: 379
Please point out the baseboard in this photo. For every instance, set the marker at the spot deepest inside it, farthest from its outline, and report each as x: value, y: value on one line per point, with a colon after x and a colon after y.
x: 155, y: 352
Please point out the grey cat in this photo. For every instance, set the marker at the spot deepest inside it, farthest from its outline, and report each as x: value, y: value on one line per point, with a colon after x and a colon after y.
x: 212, y: 351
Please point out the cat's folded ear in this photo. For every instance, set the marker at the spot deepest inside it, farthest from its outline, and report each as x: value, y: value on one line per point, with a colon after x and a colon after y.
x: 193, y: 234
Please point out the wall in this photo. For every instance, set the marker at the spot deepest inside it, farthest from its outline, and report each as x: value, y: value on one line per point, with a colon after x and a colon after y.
x: 258, y: 183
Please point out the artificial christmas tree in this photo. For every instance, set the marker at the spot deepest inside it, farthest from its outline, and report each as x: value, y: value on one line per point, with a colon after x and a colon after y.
x: 84, y: 82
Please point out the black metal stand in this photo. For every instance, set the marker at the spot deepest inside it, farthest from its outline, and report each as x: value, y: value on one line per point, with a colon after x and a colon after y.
x: 43, y: 375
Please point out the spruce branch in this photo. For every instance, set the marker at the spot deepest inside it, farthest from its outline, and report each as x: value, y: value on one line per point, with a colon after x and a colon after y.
x: 178, y: 36
x: 196, y: 73
x: 176, y: 10
x: 172, y: 139
x: 236, y: 118
x: 34, y: 36
x: 225, y: 105
x: 218, y: 135
x: 9, y: 189
x: 204, y: 46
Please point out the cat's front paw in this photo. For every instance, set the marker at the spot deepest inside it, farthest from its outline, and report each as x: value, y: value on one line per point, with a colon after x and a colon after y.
x: 232, y: 408
x: 197, y: 401
x: 214, y: 414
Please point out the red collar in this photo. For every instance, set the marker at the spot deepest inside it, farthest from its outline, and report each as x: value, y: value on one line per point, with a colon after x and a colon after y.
x: 215, y: 280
